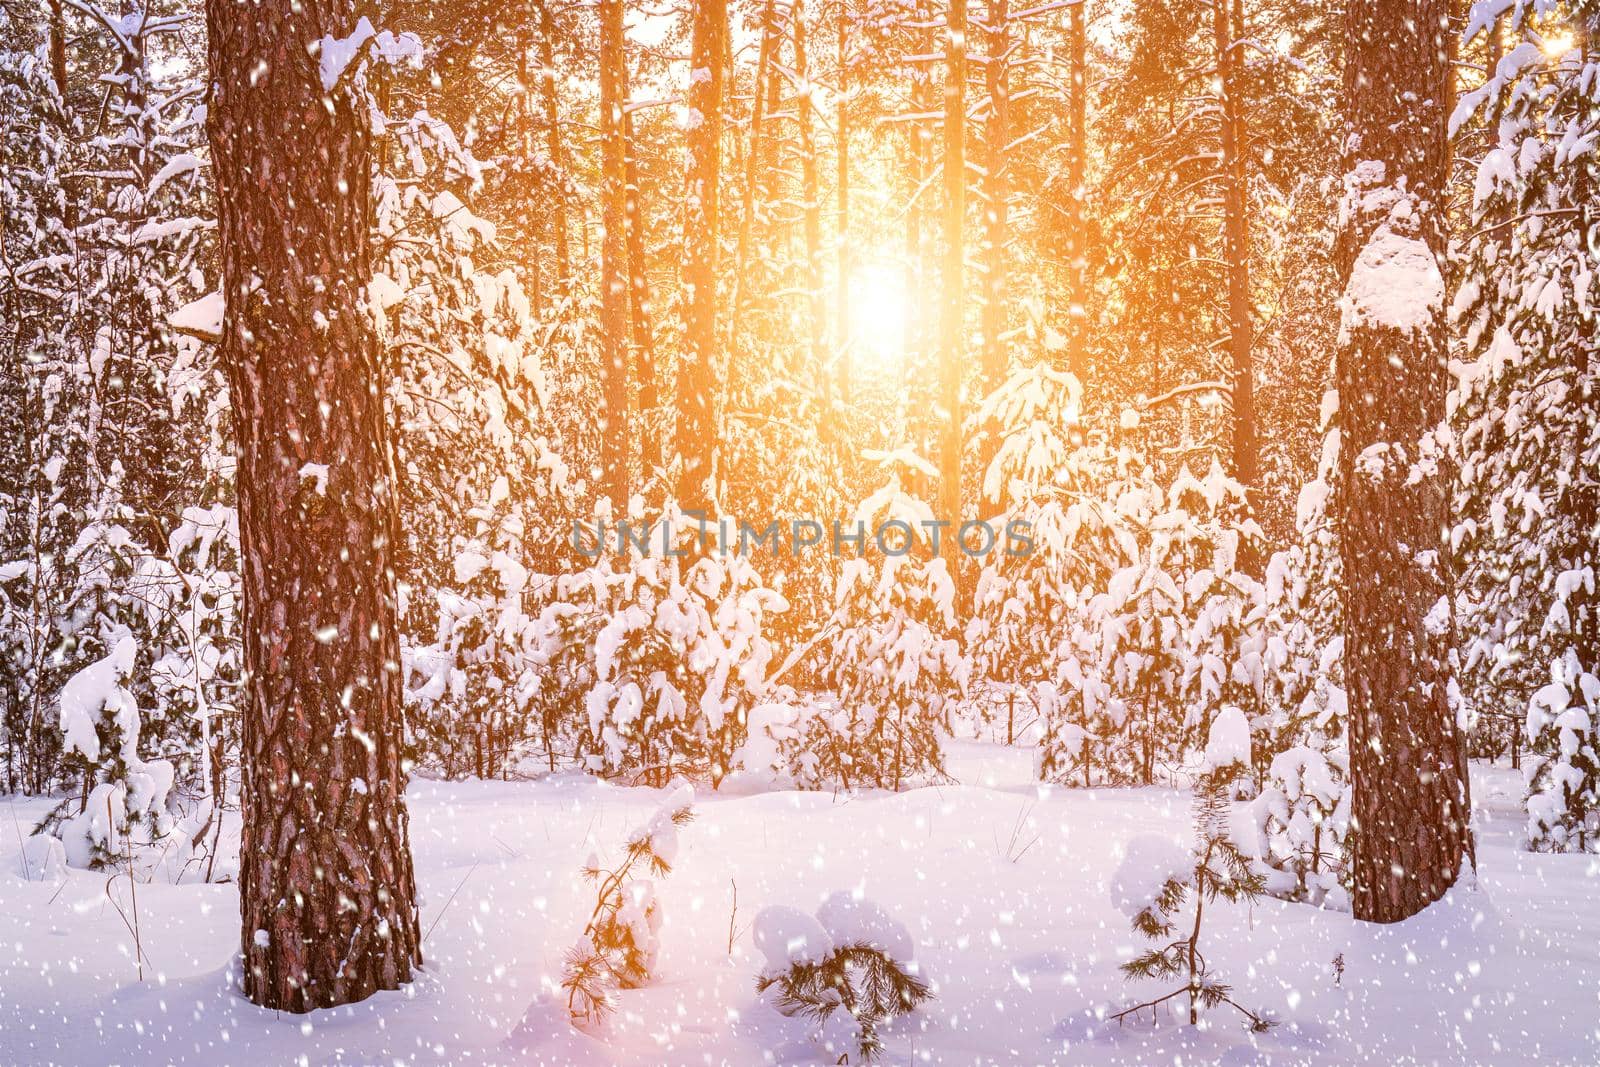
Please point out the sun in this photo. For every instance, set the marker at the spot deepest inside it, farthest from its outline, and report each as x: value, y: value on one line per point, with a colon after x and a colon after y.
x: 881, y: 311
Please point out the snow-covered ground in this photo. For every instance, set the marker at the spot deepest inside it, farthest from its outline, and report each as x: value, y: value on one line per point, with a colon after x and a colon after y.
x: 1004, y: 885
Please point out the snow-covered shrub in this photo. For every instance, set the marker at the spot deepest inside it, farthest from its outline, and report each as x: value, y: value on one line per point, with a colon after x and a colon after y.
x: 777, y: 751
x: 1301, y: 813
x: 663, y: 663
x: 852, y: 955
x: 124, y: 804
x: 619, y: 944
x: 1157, y: 878
x: 1030, y: 631
x: 892, y: 658
x: 1172, y: 635
x: 1564, y: 773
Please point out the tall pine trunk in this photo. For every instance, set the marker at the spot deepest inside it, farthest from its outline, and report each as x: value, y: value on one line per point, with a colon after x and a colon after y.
x: 1077, y: 154
x: 841, y: 311
x: 811, y: 213
x: 327, y: 895
x: 1228, y: 18
x: 644, y: 356
x: 952, y: 331
x: 552, y: 119
x: 1410, y: 832
x: 996, y: 191
x: 696, y: 385
x: 613, y: 261
x: 757, y: 159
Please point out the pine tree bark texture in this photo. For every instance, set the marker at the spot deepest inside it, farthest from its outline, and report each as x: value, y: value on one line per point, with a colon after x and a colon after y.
x: 327, y: 894
x: 697, y: 375
x: 1410, y: 792
x: 614, y: 289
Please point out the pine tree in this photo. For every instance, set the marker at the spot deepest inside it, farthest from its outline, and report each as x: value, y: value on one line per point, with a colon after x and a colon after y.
x: 327, y: 893
x: 1408, y: 760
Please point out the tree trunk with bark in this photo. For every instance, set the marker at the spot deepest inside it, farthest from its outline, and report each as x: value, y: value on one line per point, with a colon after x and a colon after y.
x: 552, y: 119
x: 811, y: 211
x: 841, y: 311
x: 1228, y: 18
x: 756, y: 157
x: 996, y: 191
x: 952, y: 316
x: 1410, y: 831
x: 697, y: 377
x: 614, y: 289
x: 1077, y: 152
x: 327, y: 896
x: 644, y: 354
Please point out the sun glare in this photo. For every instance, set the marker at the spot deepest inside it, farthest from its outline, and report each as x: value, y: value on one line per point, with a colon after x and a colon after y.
x: 881, y: 311
x: 1558, y: 45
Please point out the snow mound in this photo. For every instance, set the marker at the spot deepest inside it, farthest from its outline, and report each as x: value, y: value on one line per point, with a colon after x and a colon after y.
x: 43, y: 859
x: 200, y: 318
x: 96, y: 688
x: 786, y: 936
x: 1150, y: 863
x: 853, y: 920
x: 1394, y: 285
x: 1229, y: 740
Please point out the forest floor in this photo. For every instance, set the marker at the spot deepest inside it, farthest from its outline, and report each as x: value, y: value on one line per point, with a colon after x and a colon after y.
x: 1003, y: 884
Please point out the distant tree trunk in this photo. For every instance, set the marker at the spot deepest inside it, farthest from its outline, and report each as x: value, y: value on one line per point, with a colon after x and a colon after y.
x: 1077, y: 152
x: 951, y: 319
x: 841, y: 312
x: 755, y: 155
x: 1410, y: 831
x: 613, y: 260
x: 58, y: 48
x: 919, y: 339
x: 697, y: 377
x: 639, y: 304
x: 811, y: 213
x: 996, y: 191
x: 327, y: 895
x: 552, y: 119
x: 1236, y: 236
x: 525, y: 84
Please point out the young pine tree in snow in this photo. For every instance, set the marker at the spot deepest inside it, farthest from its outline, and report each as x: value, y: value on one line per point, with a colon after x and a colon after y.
x: 891, y: 652
x: 1524, y: 409
x: 1302, y: 812
x: 852, y: 956
x: 124, y: 799
x: 649, y: 665
x: 1157, y: 878
x: 619, y: 944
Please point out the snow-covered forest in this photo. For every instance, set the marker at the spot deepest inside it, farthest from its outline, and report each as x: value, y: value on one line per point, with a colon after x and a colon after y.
x: 763, y: 531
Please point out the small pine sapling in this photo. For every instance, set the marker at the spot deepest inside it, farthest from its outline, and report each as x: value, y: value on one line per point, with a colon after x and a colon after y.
x: 1157, y: 878
x: 852, y: 955
x: 619, y: 945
